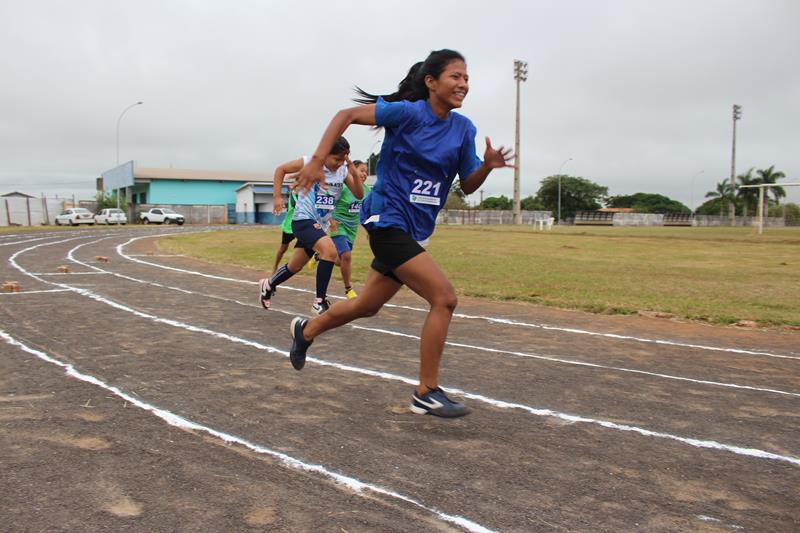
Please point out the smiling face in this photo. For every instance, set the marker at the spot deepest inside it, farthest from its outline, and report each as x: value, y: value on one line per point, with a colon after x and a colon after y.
x: 451, y: 87
x: 361, y: 172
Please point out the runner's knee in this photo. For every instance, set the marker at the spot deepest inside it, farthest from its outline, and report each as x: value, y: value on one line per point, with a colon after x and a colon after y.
x: 445, y: 298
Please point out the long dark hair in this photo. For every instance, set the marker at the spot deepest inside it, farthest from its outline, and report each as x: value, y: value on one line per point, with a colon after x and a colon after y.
x: 413, y: 87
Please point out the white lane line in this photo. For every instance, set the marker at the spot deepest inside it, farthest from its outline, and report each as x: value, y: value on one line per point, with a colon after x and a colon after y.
x: 25, y: 241
x: 699, y: 443
x: 21, y: 293
x: 173, y: 419
x: 69, y: 273
x: 555, y: 359
x: 504, y: 321
x: 550, y: 358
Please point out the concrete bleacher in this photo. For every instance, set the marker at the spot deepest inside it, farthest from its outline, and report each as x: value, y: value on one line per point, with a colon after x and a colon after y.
x: 594, y: 218
x: 678, y: 219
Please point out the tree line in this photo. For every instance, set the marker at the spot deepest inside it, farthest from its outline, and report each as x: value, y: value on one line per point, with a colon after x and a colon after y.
x: 581, y: 194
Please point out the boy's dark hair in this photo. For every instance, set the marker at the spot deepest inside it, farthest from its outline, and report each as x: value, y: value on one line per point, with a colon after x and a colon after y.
x: 341, y: 146
x: 358, y: 162
x: 413, y: 87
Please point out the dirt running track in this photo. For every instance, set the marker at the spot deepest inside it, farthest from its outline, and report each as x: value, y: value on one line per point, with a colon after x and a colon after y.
x: 152, y: 393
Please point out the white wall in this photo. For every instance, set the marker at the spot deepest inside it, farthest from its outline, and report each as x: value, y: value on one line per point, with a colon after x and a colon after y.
x: 16, y: 211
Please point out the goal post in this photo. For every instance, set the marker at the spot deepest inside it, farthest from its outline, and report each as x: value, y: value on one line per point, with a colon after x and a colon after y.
x: 761, y: 188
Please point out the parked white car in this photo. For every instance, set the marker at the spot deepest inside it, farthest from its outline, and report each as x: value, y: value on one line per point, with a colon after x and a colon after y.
x: 161, y: 215
x: 111, y: 216
x: 75, y: 216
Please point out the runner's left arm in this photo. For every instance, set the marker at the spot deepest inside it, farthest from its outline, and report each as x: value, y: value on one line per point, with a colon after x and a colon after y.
x: 355, y: 185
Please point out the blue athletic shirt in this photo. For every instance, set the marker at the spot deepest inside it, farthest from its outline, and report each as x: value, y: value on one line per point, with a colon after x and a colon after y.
x: 420, y: 157
x: 318, y: 203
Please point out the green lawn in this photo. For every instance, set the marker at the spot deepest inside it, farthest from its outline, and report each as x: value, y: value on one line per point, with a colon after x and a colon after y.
x: 719, y: 275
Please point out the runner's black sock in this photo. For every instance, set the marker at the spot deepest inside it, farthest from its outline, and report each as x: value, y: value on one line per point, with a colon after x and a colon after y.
x: 281, y: 275
x: 324, y: 272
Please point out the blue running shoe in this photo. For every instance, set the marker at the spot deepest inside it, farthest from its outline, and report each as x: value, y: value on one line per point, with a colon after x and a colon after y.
x: 297, y: 355
x: 435, y: 402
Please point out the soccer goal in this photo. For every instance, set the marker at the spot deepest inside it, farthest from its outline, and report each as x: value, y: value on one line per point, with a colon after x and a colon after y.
x: 761, y: 188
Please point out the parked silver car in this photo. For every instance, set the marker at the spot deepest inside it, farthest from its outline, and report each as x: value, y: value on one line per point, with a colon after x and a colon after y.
x: 75, y: 216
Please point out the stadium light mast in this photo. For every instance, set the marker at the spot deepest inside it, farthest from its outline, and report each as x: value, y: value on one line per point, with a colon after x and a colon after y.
x: 118, y: 121
x: 559, y: 188
x: 520, y: 74
x: 737, y: 115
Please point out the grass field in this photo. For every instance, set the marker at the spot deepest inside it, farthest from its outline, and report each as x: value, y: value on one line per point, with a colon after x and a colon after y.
x: 719, y: 275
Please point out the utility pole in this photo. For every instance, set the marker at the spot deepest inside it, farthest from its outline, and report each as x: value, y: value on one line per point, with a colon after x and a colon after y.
x: 520, y: 74
x: 737, y: 114
x: 118, y: 121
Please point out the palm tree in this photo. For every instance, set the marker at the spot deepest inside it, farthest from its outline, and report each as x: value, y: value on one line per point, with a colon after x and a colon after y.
x: 723, y: 192
x: 748, y: 195
x: 767, y: 177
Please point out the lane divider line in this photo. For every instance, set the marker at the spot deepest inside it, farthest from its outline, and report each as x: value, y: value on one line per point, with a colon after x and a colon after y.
x: 356, y: 485
x: 698, y: 443
x: 504, y: 321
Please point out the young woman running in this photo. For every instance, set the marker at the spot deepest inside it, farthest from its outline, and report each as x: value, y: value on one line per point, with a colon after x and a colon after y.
x: 312, y: 216
x: 426, y: 145
x: 347, y: 216
x: 286, y: 231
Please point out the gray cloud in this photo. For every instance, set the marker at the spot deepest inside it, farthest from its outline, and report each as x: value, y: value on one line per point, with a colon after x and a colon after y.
x: 639, y: 94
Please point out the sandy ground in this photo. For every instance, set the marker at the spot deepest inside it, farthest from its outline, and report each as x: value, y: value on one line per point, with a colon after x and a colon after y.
x: 142, y: 398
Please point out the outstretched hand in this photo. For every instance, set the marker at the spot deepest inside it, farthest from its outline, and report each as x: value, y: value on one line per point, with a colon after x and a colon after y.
x: 497, y: 157
x: 310, y: 174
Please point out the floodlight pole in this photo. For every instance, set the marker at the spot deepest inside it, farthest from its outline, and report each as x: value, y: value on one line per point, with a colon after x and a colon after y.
x: 118, y: 121
x: 520, y: 74
x: 737, y: 114
x: 559, y: 188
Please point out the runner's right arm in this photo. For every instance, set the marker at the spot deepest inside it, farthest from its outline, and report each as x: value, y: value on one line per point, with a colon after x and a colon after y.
x: 289, y: 167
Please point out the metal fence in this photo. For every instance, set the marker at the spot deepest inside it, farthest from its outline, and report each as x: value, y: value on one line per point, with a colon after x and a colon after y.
x: 491, y: 216
x: 488, y: 216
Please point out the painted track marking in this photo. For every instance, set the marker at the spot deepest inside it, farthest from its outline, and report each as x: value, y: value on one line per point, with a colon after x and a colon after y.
x: 698, y: 443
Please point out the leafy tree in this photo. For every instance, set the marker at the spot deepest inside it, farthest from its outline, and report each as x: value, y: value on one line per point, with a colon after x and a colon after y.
x: 529, y: 204
x: 748, y: 197
x: 715, y: 207
x: 723, y: 193
x: 577, y: 194
x: 769, y: 176
x: 642, y: 202
x: 494, y: 202
x: 790, y: 213
x: 372, y: 163
x: 456, y: 197
x: 107, y: 200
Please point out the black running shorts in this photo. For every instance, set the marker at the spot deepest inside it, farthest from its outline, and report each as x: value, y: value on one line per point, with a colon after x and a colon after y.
x: 308, y: 232
x: 392, y: 247
x: 286, y: 238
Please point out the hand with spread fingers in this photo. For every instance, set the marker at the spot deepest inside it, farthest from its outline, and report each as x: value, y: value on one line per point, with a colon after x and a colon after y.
x: 498, y: 157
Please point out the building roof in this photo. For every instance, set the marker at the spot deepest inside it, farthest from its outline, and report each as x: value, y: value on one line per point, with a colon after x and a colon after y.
x: 616, y: 210
x: 17, y: 194
x: 141, y: 173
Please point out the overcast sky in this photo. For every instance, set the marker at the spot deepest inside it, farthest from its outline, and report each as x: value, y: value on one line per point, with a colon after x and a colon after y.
x: 638, y: 93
